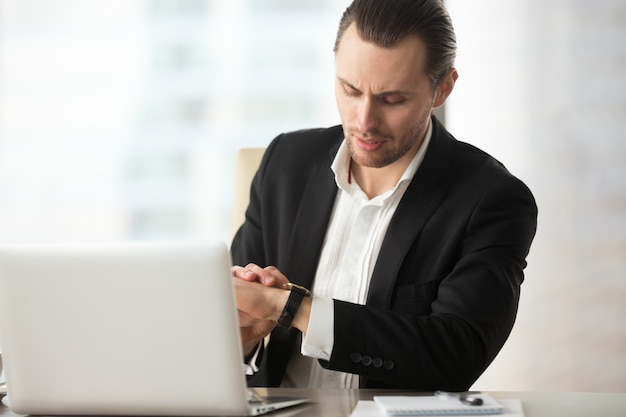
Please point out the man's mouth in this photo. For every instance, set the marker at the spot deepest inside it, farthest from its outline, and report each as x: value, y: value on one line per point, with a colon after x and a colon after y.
x: 368, y: 144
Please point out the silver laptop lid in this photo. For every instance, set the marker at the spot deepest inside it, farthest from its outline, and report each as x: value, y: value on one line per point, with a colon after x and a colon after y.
x: 132, y: 328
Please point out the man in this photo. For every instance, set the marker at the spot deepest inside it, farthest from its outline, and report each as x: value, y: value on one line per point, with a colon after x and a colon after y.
x: 412, y: 242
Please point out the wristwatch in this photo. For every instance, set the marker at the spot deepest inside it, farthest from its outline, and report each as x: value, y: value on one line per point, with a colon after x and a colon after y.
x: 296, y: 296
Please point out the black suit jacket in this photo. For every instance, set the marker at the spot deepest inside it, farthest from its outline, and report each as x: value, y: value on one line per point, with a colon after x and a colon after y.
x: 444, y: 293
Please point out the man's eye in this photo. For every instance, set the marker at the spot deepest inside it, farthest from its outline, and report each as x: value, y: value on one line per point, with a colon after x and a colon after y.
x: 350, y: 92
x: 393, y: 101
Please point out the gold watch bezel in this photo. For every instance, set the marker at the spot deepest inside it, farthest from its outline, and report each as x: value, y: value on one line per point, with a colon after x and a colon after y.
x: 291, y: 286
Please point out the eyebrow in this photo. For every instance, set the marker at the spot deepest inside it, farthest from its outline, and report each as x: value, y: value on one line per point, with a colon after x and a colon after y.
x: 383, y: 94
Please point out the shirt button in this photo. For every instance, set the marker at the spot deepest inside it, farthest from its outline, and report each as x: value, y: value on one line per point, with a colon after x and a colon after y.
x: 324, y: 355
x: 377, y: 363
x: 355, y: 357
x: 366, y: 360
x: 388, y: 364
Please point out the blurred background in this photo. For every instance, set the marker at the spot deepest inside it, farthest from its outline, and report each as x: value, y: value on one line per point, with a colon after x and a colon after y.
x: 121, y: 120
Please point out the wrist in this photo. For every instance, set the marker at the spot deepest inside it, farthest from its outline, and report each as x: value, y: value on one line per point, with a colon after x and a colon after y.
x: 301, y: 320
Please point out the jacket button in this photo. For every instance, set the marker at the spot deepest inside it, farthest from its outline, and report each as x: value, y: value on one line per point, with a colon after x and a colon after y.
x: 355, y: 357
x: 377, y: 363
x: 388, y: 364
x: 366, y: 360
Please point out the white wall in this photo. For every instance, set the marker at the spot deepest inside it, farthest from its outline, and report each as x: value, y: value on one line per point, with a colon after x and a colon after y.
x: 543, y: 88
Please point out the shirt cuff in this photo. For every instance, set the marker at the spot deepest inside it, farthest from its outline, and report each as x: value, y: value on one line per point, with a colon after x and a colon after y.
x: 319, y: 339
x: 251, y: 367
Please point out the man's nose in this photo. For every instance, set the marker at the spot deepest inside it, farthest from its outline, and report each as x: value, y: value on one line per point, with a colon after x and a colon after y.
x: 367, y: 118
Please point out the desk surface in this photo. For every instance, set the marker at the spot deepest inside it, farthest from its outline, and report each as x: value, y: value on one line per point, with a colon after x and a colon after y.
x: 340, y: 403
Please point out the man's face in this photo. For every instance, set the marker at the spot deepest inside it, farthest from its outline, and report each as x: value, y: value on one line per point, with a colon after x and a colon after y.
x: 385, y: 99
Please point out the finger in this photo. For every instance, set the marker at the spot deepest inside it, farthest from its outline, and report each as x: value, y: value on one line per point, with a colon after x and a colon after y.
x: 264, y: 276
x: 279, y: 277
x: 244, y: 273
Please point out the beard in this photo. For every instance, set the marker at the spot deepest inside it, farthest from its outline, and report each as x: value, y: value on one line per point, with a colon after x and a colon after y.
x: 393, y: 148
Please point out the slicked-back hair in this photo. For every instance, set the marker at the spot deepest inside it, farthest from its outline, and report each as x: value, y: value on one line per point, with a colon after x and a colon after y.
x: 387, y: 22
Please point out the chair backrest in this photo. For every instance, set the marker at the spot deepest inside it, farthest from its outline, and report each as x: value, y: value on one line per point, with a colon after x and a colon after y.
x: 246, y: 165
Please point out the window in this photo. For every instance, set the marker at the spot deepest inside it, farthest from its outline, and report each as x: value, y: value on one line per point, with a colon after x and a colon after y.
x: 121, y: 120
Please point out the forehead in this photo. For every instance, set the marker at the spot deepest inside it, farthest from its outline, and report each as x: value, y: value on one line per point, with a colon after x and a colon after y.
x: 401, y: 66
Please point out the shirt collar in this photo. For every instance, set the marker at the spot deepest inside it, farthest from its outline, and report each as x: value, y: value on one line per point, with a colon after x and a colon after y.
x: 341, y: 163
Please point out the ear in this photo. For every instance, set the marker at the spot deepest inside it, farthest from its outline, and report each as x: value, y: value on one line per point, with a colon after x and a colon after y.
x: 445, y: 87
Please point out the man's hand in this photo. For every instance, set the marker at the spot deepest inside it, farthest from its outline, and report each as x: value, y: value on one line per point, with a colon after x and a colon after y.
x: 258, y: 302
x: 269, y: 276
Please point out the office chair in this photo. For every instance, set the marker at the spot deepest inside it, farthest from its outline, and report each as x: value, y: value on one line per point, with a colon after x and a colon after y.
x: 246, y: 164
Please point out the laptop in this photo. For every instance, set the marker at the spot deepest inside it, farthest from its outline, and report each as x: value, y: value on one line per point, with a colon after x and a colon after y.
x: 141, y: 328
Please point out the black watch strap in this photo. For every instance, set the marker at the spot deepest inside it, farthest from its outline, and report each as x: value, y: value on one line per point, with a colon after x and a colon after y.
x: 296, y: 296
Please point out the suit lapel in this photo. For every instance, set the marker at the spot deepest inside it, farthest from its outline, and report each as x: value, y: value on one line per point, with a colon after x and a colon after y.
x: 417, y: 205
x: 309, y: 229
x: 412, y: 213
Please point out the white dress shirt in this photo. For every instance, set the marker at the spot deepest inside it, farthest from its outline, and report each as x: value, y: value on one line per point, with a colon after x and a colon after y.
x: 353, y: 240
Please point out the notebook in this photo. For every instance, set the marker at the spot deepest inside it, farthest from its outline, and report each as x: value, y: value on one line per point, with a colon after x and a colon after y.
x: 123, y: 329
x: 366, y: 408
x: 434, y: 406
